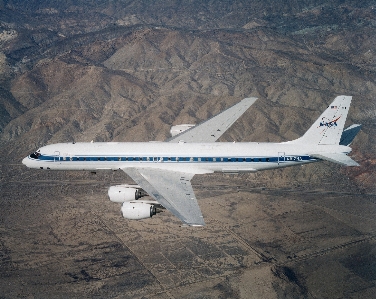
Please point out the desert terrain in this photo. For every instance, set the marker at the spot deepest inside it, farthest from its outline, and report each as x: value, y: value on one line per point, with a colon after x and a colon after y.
x: 62, y: 237
x: 128, y: 71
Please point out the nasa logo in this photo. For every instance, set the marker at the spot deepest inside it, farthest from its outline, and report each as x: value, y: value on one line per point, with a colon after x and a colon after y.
x: 329, y: 124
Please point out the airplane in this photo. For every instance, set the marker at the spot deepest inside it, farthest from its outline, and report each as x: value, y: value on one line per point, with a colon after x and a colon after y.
x: 164, y: 170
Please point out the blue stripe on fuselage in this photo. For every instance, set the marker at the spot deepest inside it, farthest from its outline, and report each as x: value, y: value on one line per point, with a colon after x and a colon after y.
x: 175, y: 159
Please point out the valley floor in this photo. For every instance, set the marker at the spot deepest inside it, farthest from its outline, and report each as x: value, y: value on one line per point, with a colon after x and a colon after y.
x: 61, y: 237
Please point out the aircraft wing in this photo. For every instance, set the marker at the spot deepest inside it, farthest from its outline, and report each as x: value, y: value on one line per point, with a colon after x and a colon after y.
x: 213, y: 128
x: 172, y: 189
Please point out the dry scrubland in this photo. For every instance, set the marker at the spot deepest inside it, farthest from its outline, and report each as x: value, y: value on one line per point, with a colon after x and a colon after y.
x: 124, y: 71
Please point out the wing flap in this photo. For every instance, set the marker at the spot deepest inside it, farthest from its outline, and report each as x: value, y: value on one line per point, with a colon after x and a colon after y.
x: 213, y: 128
x: 171, y: 189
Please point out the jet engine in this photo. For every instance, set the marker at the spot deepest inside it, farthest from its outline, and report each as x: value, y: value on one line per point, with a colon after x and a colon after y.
x: 175, y: 130
x: 123, y: 193
x: 137, y: 210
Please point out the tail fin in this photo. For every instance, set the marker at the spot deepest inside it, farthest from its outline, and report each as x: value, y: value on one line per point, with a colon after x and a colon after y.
x: 328, y: 128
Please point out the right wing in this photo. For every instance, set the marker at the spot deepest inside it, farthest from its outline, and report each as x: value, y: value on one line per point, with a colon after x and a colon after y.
x: 213, y: 128
x: 172, y: 189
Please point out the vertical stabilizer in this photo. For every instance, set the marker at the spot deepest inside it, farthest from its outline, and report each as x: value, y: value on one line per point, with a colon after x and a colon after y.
x: 328, y: 128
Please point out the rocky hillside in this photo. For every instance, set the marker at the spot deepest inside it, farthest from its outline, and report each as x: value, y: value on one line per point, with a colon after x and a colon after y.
x: 127, y: 71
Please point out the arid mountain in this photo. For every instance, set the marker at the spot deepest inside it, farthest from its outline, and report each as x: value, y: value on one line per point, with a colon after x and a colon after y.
x: 125, y: 70
x: 81, y: 72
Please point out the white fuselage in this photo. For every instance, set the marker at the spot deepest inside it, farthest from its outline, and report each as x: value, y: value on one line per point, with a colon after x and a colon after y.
x: 164, y: 170
x: 187, y: 157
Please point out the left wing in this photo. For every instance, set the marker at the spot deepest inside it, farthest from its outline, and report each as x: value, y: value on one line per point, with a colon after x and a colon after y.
x: 172, y: 189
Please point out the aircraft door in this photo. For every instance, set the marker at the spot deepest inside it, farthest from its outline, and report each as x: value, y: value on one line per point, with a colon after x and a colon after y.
x: 56, y: 156
x: 281, y: 157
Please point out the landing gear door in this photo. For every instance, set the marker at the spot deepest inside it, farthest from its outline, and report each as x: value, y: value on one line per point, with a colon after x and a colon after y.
x: 281, y: 157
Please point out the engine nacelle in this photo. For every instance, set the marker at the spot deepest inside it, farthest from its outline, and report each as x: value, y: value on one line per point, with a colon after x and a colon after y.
x: 123, y: 193
x: 137, y: 210
x: 175, y: 130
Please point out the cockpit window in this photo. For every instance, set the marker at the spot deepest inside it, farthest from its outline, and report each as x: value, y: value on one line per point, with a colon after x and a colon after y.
x: 35, y: 155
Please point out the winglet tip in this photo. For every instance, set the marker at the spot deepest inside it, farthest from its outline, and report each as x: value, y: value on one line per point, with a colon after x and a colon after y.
x: 192, y: 225
x: 250, y: 99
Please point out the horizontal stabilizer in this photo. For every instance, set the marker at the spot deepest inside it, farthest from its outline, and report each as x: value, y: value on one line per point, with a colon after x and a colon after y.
x: 336, y: 158
x: 349, y: 134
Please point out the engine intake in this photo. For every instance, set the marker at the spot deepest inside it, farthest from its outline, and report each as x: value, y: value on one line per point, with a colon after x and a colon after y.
x: 137, y: 210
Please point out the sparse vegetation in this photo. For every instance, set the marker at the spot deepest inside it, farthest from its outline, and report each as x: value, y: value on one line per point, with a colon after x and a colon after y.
x: 128, y: 70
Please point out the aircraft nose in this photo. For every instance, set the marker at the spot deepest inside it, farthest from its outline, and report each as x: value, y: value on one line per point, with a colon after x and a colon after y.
x: 25, y: 160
